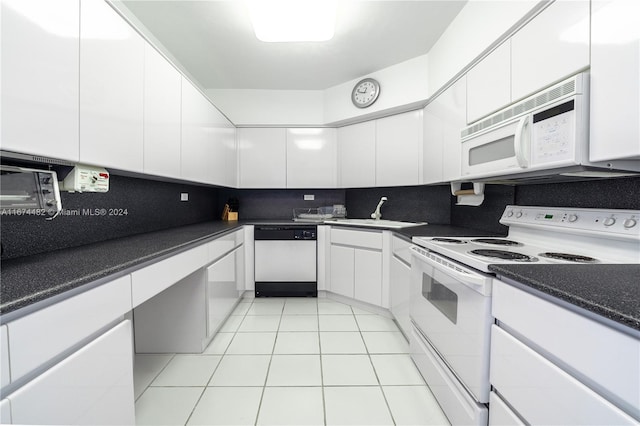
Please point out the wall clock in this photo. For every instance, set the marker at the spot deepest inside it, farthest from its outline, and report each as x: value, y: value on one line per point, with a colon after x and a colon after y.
x: 365, y: 92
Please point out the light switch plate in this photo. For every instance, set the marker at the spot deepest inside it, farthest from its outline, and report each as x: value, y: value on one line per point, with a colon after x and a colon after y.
x: 184, y: 196
x: 309, y: 197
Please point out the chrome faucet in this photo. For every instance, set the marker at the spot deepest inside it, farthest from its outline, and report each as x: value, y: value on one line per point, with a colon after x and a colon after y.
x: 376, y: 214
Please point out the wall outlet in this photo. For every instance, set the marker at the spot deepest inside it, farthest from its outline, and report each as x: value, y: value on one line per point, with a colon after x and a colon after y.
x: 309, y: 197
x: 184, y: 196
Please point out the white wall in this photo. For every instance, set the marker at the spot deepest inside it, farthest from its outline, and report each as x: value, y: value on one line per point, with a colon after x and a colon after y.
x: 270, y: 107
x: 401, y: 84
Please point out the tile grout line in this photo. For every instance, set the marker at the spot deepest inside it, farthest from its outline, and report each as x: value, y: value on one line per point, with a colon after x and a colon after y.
x: 214, y: 371
x: 384, y: 396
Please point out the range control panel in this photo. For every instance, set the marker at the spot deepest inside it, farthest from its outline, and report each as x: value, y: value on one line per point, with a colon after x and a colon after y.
x: 601, y: 221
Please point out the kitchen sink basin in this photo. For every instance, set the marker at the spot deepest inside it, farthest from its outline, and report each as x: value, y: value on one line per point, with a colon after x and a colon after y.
x: 381, y: 223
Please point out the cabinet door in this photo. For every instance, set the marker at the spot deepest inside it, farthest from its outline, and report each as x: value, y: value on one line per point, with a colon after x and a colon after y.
x: 452, y: 105
x: 263, y: 158
x: 614, y: 131
x: 197, y: 135
x: 357, y: 155
x: 432, y: 163
x: 222, y: 140
x: 222, y: 290
x: 489, y: 83
x: 400, y: 293
x: 231, y: 155
x: 40, y: 74
x: 5, y: 412
x: 111, y: 89
x: 92, y: 386
x: 162, y: 109
x: 368, y: 276
x: 342, y: 270
x: 311, y: 158
x: 554, y: 45
x: 399, y: 149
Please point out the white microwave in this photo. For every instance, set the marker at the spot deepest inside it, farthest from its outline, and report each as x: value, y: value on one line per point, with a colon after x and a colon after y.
x: 548, y: 130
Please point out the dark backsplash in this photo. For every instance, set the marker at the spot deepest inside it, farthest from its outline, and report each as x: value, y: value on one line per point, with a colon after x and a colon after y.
x: 150, y: 206
x: 408, y: 203
x: 278, y: 204
x: 154, y: 205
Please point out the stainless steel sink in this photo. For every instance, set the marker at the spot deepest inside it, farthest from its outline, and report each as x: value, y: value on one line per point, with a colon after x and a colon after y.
x: 373, y: 223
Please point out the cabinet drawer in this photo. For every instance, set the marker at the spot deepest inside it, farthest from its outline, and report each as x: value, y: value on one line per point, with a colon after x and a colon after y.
x: 36, y: 338
x: 500, y: 414
x: 567, y: 336
x: 93, y: 386
x: 149, y: 281
x: 223, y: 245
x: 528, y: 381
x: 364, y: 239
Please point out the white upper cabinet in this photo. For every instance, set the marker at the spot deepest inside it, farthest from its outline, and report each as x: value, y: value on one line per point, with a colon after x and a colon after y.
x: 262, y: 157
x: 615, y: 80
x: 399, y: 149
x: 162, y: 109
x: 489, y: 83
x: 311, y: 158
x: 197, y: 135
x: 357, y: 155
x: 40, y: 62
x: 444, y: 117
x: 111, y: 89
x: 554, y: 45
x: 222, y: 139
x: 230, y: 144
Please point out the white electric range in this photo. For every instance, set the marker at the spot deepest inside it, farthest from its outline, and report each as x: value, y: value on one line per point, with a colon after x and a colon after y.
x: 451, y: 289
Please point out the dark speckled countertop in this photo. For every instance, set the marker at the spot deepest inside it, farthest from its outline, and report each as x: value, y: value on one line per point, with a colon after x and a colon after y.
x: 609, y: 291
x: 35, y: 281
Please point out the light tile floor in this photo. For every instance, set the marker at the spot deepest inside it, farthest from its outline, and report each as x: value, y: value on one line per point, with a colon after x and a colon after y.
x: 289, y: 361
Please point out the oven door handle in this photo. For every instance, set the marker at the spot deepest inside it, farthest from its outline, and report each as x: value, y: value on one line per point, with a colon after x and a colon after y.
x: 473, y: 280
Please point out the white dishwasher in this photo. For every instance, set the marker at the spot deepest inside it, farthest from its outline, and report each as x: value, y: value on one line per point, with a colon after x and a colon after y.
x: 285, y: 260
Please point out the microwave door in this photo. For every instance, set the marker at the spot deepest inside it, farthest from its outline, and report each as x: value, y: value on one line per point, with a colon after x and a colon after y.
x: 497, y: 151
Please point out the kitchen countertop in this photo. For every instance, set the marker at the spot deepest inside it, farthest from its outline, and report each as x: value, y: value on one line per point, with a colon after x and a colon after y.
x: 609, y: 291
x: 33, y: 282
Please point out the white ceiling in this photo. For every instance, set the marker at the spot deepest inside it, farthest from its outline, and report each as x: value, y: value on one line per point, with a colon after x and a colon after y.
x: 214, y: 41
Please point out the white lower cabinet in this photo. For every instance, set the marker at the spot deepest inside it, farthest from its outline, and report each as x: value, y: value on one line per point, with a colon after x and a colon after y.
x: 538, y: 360
x: 368, y: 276
x: 500, y: 414
x: 400, y: 283
x: 94, y: 386
x: 356, y: 265
x: 5, y: 376
x: 342, y: 270
x: 5, y: 412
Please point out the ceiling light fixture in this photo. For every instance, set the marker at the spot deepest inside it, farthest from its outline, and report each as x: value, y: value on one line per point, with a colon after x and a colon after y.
x: 293, y: 20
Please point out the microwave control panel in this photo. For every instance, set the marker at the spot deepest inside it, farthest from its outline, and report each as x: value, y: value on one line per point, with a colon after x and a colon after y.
x: 553, y: 134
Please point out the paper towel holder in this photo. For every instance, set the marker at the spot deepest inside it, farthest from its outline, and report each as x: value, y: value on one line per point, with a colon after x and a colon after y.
x: 468, y: 197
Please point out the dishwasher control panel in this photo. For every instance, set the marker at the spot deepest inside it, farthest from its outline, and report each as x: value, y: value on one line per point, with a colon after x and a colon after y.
x: 285, y: 232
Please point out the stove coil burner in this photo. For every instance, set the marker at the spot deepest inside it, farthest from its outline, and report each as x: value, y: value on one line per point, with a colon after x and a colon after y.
x: 568, y: 257
x: 503, y: 255
x: 448, y: 240
x: 497, y: 242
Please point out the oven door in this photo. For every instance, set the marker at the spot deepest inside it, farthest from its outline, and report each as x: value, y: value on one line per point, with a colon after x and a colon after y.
x: 451, y: 306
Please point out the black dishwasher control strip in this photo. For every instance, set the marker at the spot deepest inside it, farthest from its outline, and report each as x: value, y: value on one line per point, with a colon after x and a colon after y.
x: 285, y: 233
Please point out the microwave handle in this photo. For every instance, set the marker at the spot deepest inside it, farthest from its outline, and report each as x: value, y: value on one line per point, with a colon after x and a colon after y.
x: 520, y: 141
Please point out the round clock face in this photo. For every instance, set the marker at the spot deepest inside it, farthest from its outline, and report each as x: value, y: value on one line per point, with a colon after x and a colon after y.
x: 365, y: 92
